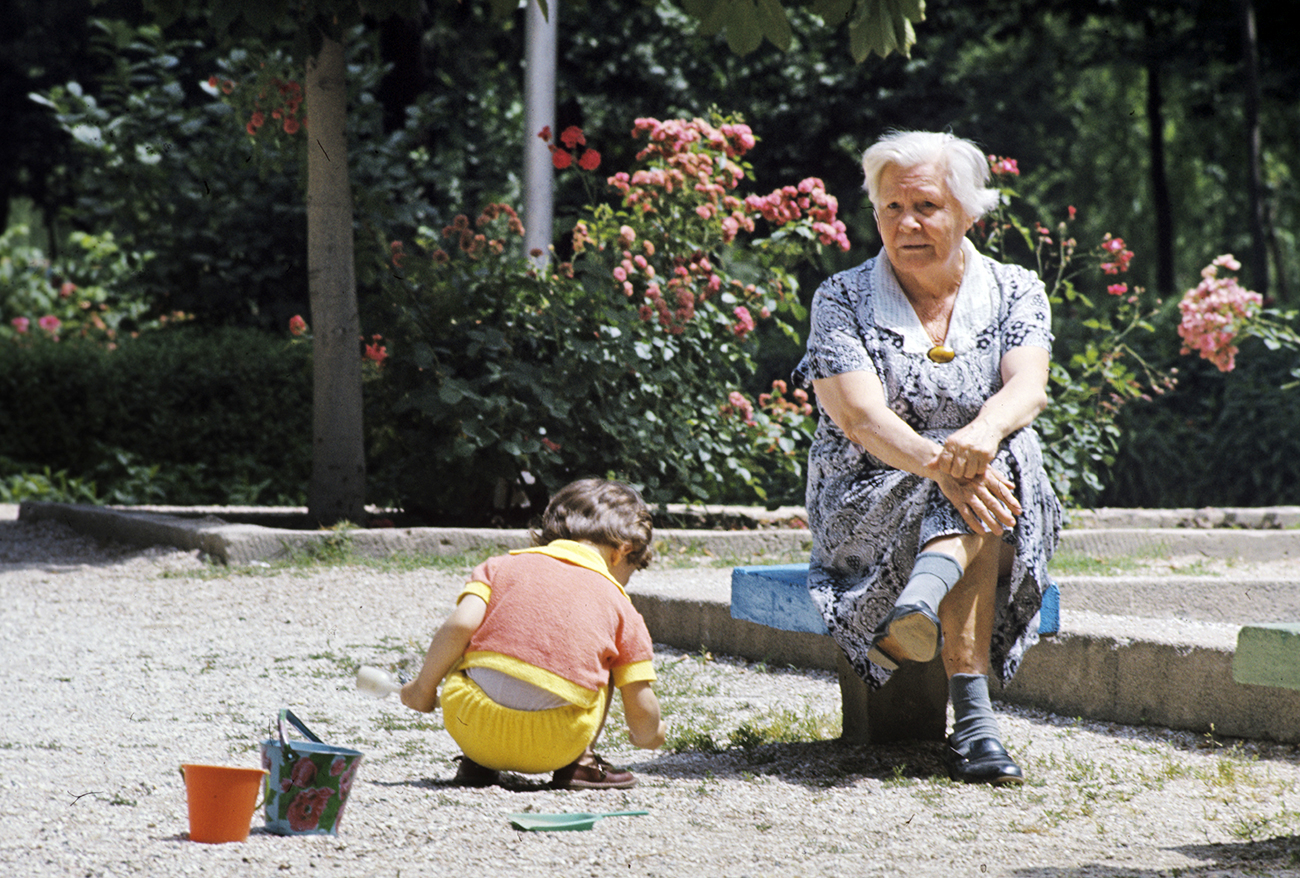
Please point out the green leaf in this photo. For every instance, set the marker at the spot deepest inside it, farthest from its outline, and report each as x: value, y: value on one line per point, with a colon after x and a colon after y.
x: 744, y: 29
x: 833, y: 12
x: 775, y: 24
x: 712, y: 14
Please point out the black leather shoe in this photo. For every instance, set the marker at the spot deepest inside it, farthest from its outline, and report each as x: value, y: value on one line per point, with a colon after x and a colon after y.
x: 910, y: 633
x: 985, y: 761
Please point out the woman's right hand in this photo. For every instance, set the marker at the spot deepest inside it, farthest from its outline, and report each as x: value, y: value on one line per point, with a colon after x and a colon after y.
x: 987, y: 503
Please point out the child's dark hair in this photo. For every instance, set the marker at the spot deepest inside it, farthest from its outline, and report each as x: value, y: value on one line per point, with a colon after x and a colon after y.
x: 603, y: 512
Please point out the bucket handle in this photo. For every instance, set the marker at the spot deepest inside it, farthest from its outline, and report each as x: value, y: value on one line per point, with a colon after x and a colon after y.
x: 287, y: 714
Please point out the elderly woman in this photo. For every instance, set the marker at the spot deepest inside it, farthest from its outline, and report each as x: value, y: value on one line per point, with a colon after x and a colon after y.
x: 932, y: 517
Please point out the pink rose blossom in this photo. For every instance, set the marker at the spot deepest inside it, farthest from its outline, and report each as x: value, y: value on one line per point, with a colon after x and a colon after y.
x: 376, y: 353
x: 744, y: 321
x: 1214, y: 314
x: 1006, y: 166
x: 573, y: 137
x: 21, y: 324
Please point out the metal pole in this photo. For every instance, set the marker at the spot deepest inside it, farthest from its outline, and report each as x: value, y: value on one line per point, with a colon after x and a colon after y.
x: 539, y: 95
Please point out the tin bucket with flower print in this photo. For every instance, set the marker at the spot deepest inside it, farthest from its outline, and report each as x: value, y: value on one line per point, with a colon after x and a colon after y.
x: 307, y: 782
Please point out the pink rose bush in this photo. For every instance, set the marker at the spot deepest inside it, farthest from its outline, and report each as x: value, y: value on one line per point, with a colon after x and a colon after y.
x: 683, y: 217
x: 1097, y: 368
x: 268, y: 98
x: 637, y: 329
x: 1215, y: 312
x: 89, y: 293
x: 1219, y: 313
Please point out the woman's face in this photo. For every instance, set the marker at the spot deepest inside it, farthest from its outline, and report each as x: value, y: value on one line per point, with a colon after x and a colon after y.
x: 920, y: 223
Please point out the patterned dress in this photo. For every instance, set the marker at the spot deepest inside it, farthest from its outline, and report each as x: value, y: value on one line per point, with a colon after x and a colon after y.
x: 869, y: 520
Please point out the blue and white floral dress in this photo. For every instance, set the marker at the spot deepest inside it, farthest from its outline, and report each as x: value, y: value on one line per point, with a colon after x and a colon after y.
x: 869, y: 520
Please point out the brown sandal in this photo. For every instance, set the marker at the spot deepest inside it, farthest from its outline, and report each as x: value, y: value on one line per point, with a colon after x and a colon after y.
x: 600, y: 776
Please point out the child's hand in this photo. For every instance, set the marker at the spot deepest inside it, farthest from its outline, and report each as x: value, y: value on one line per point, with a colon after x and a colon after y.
x: 416, y: 698
x: 654, y: 743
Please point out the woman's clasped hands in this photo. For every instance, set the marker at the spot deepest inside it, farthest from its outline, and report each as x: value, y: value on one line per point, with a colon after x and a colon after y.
x: 984, y: 497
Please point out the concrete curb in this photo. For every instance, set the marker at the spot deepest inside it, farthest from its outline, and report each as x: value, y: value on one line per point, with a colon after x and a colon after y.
x: 1257, y: 545
x: 245, y: 543
x: 1122, y: 668
x: 1142, y: 672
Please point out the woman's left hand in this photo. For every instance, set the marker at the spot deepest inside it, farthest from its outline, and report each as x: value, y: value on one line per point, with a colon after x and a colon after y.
x: 987, y: 503
x: 967, y: 453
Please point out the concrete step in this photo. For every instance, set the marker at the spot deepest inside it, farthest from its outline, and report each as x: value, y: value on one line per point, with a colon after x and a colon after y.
x: 1118, y: 542
x: 240, y: 543
x: 1172, y: 673
x: 1226, y: 598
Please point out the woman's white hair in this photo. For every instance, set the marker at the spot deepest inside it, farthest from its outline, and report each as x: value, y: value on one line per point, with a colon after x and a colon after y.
x: 966, y: 167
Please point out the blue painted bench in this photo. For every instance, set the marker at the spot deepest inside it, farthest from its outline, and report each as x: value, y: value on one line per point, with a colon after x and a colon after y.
x: 913, y: 705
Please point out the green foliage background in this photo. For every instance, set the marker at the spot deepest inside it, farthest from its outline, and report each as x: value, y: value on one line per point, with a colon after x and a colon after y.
x: 183, y: 416
x: 436, y: 118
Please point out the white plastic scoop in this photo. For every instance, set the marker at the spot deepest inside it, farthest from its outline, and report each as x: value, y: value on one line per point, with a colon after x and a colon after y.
x: 376, y: 683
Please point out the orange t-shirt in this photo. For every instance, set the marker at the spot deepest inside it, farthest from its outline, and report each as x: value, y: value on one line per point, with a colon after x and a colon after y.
x: 557, y: 619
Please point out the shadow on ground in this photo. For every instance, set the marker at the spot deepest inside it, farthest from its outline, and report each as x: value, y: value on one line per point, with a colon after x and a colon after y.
x: 1275, y: 856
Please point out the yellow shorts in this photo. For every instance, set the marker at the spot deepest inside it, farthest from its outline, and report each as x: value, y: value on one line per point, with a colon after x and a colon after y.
x: 527, y: 741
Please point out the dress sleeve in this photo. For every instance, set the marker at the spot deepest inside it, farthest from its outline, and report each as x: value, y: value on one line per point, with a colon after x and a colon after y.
x: 835, y: 343
x: 1028, y: 318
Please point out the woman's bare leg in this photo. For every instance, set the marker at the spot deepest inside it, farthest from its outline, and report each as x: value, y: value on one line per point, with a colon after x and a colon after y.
x: 967, y: 613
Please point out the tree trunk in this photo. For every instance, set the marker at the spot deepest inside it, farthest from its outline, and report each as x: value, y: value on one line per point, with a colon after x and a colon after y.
x: 338, y: 476
x: 1163, y: 208
x: 1258, y: 261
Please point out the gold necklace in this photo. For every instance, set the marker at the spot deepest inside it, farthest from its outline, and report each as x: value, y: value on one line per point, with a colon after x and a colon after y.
x: 941, y: 353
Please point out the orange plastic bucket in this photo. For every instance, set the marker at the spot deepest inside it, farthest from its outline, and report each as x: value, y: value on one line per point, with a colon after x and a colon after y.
x: 222, y: 801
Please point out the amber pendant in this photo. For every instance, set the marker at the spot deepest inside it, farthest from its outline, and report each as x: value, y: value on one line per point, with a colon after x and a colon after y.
x: 941, y: 353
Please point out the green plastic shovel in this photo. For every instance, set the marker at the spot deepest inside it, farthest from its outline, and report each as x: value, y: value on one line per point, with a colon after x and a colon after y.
x: 565, y: 822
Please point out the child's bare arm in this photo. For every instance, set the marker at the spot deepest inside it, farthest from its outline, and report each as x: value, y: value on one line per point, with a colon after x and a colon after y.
x: 446, y: 649
x: 646, y: 729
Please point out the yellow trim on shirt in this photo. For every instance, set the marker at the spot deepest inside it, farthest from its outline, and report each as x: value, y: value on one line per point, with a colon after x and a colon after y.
x: 577, y: 553
x: 480, y: 589
x: 539, y: 677
x: 637, y: 672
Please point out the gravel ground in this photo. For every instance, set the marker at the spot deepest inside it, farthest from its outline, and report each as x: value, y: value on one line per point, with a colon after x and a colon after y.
x: 123, y: 664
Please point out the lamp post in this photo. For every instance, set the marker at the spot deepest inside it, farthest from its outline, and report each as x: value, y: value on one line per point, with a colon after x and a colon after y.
x: 539, y: 97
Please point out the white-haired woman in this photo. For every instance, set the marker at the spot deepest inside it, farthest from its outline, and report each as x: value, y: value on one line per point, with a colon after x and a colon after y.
x: 932, y: 517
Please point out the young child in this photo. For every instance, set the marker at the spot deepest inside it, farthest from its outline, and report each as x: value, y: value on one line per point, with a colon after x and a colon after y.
x: 538, y: 641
